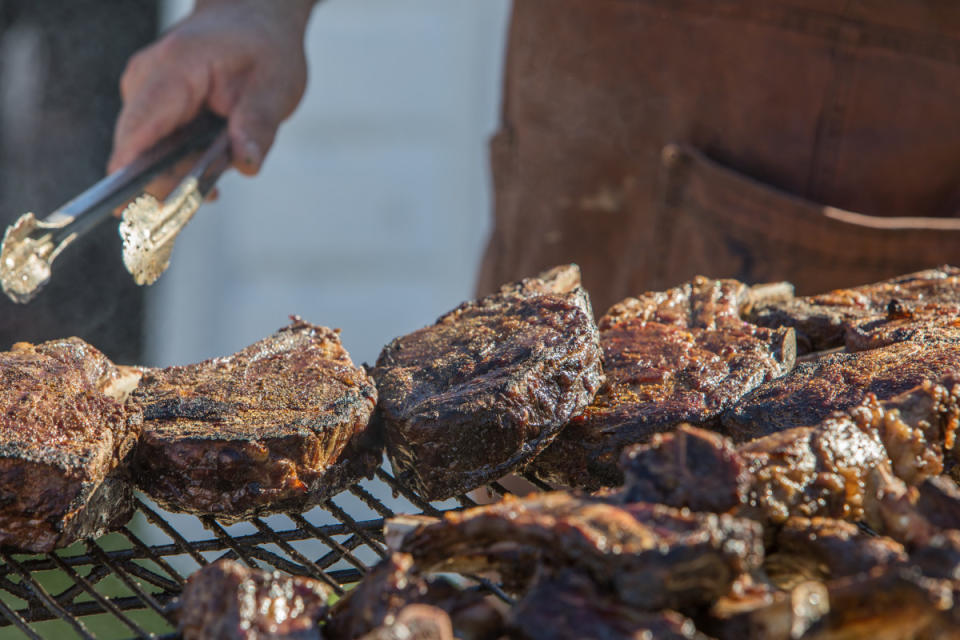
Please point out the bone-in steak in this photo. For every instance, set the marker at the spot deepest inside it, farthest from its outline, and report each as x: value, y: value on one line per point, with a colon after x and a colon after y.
x: 281, y: 425
x: 489, y: 385
x: 649, y: 556
x: 670, y: 357
x: 62, y: 442
x: 229, y: 601
x: 819, y: 320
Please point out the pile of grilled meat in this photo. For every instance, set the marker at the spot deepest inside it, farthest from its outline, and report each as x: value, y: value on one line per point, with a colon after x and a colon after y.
x: 729, y: 462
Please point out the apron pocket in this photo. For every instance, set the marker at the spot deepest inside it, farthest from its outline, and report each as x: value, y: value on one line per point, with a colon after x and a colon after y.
x: 720, y: 223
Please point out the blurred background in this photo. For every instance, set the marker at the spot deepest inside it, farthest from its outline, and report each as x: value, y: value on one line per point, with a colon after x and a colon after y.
x: 373, y: 208
x: 370, y: 213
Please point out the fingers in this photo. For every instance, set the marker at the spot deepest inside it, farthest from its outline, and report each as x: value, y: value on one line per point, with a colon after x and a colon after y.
x: 265, y: 103
x: 159, y: 96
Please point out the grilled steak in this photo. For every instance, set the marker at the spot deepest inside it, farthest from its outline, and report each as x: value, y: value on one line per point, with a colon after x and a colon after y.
x: 377, y: 605
x: 839, y: 468
x: 569, y: 608
x: 415, y: 622
x: 820, y: 549
x: 489, y: 385
x: 814, y: 390
x: 925, y: 324
x: 648, y: 556
x: 227, y: 601
x: 889, y: 603
x: 819, y: 320
x: 688, y: 467
x: 677, y: 356
x: 63, y: 440
x: 279, y: 426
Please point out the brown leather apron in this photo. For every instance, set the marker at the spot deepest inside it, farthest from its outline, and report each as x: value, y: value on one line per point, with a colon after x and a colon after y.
x: 651, y: 140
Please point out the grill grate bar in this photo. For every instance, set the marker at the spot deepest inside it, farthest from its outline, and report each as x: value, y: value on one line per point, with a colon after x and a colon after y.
x: 163, y: 564
x: 178, y: 539
x: 345, y: 518
x: 336, y: 549
x: 48, y: 601
x: 537, y: 482
x: 131, y: 584
x: 332, y: 557
x: 17, y: 620
x: 156, y: 587
x: 87, y: 608
x: 371, y: 502
x: 417, y: 501
x: 222, y: 535
x: 104, y: 602
x: 311, y: 568
x: 149, y: 576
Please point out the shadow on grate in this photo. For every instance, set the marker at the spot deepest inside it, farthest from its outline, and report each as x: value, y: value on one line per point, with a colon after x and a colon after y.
x: 126, y: 584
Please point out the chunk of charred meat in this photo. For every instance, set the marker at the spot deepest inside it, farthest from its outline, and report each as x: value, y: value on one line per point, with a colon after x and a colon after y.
x: 820, y: 320
x: 888, y: 603
x: 569, y: 607
x: 489, y: 385
x: 671, y: 357
x: 226, y: 601
x: 64, y: 438
x: 814, y: 390
x: 279, y: 426
x: 821, y: 549
x: 689, y: 467
x: 892, y: 602
x: 841, y: 468
x: 756, y: 610
x: 376, y: 605
x: 649, y: 556
x: 415, y: 622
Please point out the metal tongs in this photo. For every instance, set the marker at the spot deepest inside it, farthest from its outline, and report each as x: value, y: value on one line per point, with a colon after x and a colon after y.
x: 149, y: 227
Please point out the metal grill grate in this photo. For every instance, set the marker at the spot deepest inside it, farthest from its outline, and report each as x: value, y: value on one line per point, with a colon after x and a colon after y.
x: 126, y: 584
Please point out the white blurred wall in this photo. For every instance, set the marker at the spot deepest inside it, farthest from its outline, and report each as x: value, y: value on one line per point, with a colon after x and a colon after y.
x: 373, y: 208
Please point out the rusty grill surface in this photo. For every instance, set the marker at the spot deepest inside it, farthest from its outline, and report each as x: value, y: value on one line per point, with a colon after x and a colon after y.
x: 126, y: 584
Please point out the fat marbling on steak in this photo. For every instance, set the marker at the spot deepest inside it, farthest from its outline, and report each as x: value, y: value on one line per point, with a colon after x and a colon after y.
x: 229, y: 601
x: 489, y: 385
x: 278, y: 426
x: 682, y: 355
x: 64, y: 437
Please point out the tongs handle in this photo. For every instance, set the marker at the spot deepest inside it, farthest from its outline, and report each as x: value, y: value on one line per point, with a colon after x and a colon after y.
x: 94, y: 205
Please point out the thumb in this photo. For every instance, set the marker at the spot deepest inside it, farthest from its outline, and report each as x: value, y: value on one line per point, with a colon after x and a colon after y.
x: 254, y: 122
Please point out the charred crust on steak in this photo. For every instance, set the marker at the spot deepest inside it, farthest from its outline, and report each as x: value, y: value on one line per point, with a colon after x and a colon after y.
x: 814, y: 390
x: 63, y: 445
x: 569, y: 607
x: 489, y: 385
x: 821, y: 320
x: 649, y: 556
x: 670, y: 357
x: 279, y: 426
x: 227, y: 601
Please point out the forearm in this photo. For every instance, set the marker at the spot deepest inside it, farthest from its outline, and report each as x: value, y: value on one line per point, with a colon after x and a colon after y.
x: 299, y: 10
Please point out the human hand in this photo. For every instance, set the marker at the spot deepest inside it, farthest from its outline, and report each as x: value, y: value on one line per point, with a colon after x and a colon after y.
x: 241, y: 59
